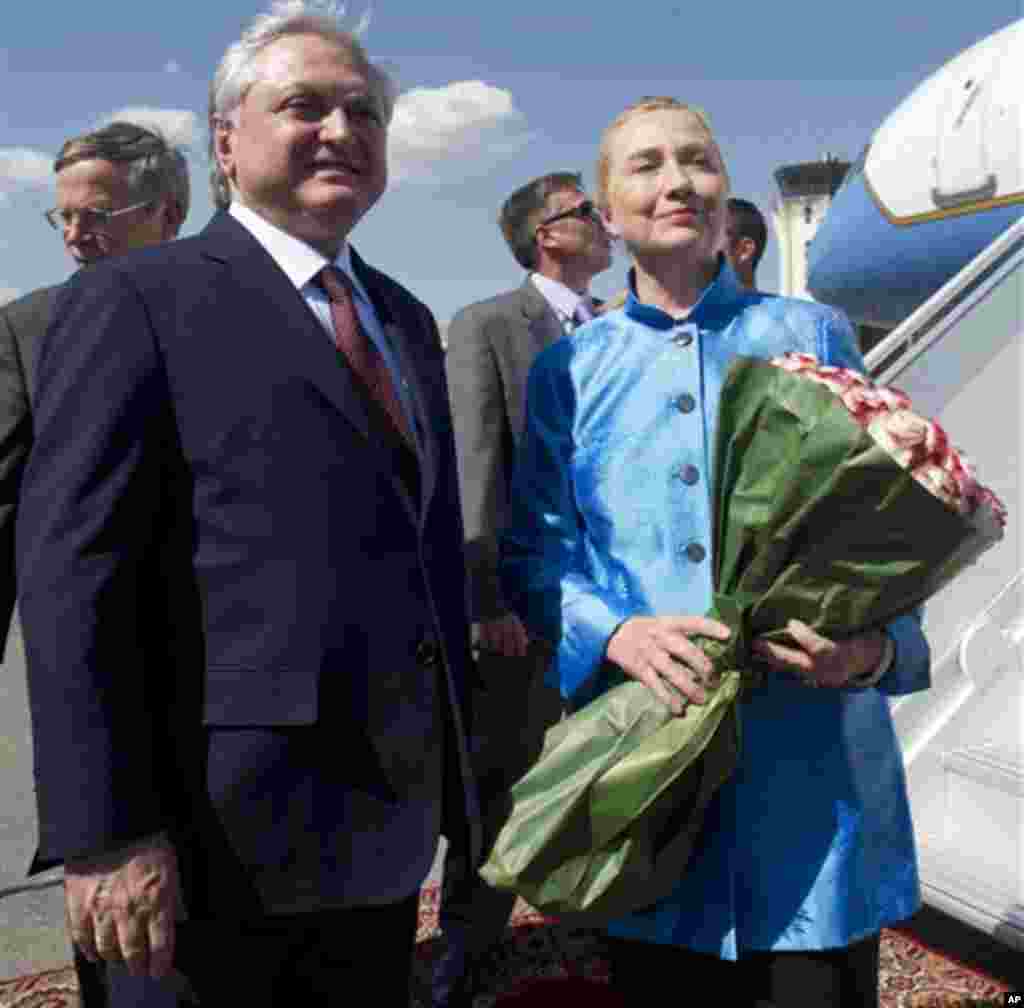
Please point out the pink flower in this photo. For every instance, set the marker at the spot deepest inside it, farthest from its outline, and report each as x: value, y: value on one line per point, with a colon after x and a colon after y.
x: 941, y: 484
x: 987, y: 499
x: 909, y: 432
x: 897, y: 438
x: 795, y: 361
x: 914, y: 442
x: 893, y: 398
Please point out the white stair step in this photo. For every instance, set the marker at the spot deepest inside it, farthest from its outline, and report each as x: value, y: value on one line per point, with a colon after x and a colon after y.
x: 983, y: 903
x: 984, y: 786
x: 994, y: 766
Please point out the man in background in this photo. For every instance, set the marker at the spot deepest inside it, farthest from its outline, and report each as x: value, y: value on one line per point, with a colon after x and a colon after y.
x: 555, y: 233
x: 746, y: 236
x: 119, y: 188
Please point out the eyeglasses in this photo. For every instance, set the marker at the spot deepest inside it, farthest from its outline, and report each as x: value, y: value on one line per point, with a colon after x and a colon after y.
x: 89, y: 219
x: 584, y: 211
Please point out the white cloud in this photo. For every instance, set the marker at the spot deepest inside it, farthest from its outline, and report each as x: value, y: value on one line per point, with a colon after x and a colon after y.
x: 21, y: 168
x: 8, y: 294
x: 177, y: 126
x: 448, y: 133
x: 172, y: 66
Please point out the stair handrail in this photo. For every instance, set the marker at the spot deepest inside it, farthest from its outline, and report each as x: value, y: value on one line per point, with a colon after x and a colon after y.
x: 920, y: 329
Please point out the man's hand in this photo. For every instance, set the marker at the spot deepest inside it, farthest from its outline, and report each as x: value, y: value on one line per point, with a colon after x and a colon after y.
x: 505, y: 635
x: 823, y: 662
x: 121, y: 907
x: 656, y: 650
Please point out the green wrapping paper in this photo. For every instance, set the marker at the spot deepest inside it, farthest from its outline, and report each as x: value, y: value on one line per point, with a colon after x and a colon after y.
x: 813, y: 521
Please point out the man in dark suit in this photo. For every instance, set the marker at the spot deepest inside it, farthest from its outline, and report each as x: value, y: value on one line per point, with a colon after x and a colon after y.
x: 119, y: 187
x: 240, y: 553
x: 555, y: 233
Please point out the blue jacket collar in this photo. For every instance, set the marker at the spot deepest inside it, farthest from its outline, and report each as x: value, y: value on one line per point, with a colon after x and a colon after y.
x: 722, y: 291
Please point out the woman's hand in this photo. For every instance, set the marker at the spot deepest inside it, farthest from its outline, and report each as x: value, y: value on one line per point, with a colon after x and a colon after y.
x: 823, y: 662
x: 656, y: 650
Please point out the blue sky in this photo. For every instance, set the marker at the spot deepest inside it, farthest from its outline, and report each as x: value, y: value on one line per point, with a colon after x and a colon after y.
x: 493, y: 96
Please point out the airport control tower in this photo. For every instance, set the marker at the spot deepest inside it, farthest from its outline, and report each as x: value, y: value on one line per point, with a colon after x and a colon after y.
x: 806, y: 190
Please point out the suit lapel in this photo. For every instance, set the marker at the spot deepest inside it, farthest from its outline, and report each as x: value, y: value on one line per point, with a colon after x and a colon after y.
x: 274, y: 306
x: 409, y: 336
x: 426, y: 441
x: 541, y: 319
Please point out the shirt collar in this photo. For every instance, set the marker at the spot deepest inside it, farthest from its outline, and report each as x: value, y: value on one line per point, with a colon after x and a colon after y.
x: 299, y: 262
x: 563, y: 299
x: 724, y: 289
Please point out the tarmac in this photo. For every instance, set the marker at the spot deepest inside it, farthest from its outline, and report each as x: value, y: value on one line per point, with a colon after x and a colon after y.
x: 32, y: 932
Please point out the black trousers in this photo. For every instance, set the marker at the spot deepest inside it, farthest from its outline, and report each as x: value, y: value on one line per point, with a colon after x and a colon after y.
x: 831, y: 978
x: 512, y: 709
x: 327, y: 957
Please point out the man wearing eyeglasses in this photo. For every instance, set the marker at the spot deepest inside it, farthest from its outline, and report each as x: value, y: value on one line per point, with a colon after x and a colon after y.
x: 119, y: 188
x: 555, y: 233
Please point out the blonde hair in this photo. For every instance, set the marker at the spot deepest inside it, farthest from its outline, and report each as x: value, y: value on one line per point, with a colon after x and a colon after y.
x: 647, y: 104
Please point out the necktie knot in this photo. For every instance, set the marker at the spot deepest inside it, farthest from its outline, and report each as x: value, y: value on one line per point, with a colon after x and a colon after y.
x: 580, y: 315
x: 336, y: 284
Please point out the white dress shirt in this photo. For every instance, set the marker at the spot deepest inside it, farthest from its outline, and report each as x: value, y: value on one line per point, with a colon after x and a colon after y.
x: 565, y: 302
x: 302, y: 264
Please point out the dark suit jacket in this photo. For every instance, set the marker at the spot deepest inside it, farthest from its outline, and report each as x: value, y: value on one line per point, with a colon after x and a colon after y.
x: 491, y: 345
x: 243, y: 607
x: 22, y: 326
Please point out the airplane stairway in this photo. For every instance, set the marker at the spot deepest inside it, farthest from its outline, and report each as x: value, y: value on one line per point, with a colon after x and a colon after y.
x: 959, y: 357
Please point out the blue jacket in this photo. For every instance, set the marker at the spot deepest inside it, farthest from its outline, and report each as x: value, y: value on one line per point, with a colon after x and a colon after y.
x: 810, y: 845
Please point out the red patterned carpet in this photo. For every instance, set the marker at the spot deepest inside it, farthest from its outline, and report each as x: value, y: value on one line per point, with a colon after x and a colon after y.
x: 543, y: 965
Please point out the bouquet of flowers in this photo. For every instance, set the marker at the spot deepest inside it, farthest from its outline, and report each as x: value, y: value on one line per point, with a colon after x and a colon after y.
x: 834, y: 504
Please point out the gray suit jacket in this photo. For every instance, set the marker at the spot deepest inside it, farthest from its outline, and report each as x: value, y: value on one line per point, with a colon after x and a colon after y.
x: 23, y: 324
x: 491, y: 345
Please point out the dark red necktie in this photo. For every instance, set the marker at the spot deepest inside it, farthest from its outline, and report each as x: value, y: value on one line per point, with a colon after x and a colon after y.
x: 358, y: 348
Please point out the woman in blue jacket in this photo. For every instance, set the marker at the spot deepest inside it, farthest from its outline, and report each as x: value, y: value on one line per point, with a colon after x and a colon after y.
x: 807, y: 852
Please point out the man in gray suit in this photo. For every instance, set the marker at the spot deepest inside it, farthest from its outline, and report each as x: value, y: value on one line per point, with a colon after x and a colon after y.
x: 555, y: 233
x: 120, y: 187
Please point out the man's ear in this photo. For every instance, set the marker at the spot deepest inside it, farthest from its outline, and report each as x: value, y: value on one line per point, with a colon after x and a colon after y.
x: 223, y: 145
x: 745, y: 249
x: 609, y: 226
x: 173, y: 219
x: 545, y: 238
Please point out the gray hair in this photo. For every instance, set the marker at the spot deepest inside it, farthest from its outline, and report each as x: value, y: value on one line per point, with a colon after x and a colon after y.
x: 236, y: 72
x: 155, y: 169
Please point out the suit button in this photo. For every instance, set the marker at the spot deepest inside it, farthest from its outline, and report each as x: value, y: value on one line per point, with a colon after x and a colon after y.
x: 427, y: 653
x: 689, y: 474
x: 694, y: 552
x: 686, y: 403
